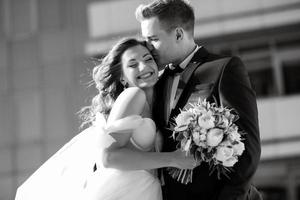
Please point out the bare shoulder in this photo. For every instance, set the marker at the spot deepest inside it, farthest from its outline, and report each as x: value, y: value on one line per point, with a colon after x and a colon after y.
x: 134, y: 94
x: 130, y: 102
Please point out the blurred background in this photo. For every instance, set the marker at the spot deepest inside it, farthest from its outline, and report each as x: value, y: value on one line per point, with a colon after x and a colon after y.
x: 45, y: 46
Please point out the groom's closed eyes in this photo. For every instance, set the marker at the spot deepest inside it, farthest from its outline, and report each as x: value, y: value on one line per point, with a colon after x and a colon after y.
x: 152, y: 39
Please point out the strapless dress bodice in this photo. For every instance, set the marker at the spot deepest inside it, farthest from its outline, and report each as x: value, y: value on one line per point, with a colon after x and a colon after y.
x: 143, y: 131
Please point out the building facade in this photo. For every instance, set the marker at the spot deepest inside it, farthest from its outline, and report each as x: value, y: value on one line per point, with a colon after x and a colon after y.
x: 45, y: 48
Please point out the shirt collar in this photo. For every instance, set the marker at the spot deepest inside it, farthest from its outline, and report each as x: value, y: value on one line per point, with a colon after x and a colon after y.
x: 186, y: 61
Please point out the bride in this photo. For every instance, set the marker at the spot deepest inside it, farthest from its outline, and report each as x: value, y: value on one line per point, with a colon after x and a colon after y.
x: 117, y: 156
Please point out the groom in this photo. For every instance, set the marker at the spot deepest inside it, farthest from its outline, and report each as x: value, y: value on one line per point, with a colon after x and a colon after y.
x: 169, y: 26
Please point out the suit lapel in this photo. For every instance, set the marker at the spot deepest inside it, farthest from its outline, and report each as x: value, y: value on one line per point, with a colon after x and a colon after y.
x: 188, y: 73
x: 197, y: 60
x: 167, y: 89
x: 166, y: 85
x: 186, y: 78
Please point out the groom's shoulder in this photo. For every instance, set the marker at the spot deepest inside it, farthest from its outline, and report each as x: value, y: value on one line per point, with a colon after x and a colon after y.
x: 220, y: 58
x: 213, y: 62
x: 213, y: 66
x: 217, y: 58
x: 208, y: 58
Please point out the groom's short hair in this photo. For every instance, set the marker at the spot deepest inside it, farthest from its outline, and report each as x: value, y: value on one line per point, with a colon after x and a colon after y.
x: 170, y: 13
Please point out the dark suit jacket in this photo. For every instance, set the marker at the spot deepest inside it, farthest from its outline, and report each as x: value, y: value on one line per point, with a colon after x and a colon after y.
x: 225, y: 80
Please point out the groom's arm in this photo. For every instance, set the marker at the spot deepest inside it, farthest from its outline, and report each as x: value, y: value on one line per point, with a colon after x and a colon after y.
x: 236, y: 92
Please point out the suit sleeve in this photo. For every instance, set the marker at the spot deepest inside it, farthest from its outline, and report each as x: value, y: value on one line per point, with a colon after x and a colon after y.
x: 235, y: 92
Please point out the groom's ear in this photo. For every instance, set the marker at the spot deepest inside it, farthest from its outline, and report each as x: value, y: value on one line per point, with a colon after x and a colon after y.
x: 179, y: 33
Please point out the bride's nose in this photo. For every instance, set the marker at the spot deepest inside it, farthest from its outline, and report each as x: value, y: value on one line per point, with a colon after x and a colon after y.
x: 142, y: 66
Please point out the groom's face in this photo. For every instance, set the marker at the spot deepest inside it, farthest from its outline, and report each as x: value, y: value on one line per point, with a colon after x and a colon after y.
x: 164, y: 42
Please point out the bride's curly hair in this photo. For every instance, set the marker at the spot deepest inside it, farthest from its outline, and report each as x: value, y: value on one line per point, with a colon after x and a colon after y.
x: 106, y: 78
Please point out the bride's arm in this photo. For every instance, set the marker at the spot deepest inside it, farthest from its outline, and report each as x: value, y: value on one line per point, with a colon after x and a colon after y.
x: 127, y: 159
x: 132, y: 102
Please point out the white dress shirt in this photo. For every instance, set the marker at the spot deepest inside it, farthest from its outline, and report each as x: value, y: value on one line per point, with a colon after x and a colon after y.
x: 183, y: 65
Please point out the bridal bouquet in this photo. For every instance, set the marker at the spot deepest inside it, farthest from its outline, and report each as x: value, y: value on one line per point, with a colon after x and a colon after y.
x: 207, y: 132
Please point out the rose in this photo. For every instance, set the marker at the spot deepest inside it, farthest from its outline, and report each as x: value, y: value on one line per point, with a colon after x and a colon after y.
x: 183, y: 120
x: 206, y: 120
x: 203, y: 131
x: 198, y: 110
x: 238, y: 148
x: 225, y: 155
x: 233, y: 134
x: 198, y: 137
x: 214, y: 137
x: 202, y: 137
x: 230, y: 162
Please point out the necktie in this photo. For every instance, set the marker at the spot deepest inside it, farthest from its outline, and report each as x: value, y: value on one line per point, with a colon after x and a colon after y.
x: 172, y: 70
x: 175, y: 71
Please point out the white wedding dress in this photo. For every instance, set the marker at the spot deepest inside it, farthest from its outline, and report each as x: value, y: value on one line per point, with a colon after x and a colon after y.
x: 69, y: 173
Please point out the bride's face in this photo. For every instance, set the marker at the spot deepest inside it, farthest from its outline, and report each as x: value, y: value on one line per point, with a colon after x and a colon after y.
x: 139, y: 68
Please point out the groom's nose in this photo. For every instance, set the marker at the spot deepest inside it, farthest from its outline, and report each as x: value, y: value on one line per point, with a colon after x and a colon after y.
x: 149, y: 45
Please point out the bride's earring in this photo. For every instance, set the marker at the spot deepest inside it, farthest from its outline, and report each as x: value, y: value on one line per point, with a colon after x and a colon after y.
x: 124, y: 83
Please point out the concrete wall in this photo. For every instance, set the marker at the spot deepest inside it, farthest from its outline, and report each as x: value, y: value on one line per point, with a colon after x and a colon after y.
x: 108, y: 20
x: 42, y: 60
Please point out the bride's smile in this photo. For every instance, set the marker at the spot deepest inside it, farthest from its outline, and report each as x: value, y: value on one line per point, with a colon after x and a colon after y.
x: 145, y: 75
x: 139, y: 67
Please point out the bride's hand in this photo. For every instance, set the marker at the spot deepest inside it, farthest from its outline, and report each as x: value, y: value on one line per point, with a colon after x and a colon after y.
x: 183, y: 161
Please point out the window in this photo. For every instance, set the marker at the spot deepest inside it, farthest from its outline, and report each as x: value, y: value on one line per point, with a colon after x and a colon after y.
x: 291, y: 76
x: 262, y: 82
x: 261, y: 76
x: 298, y: 192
